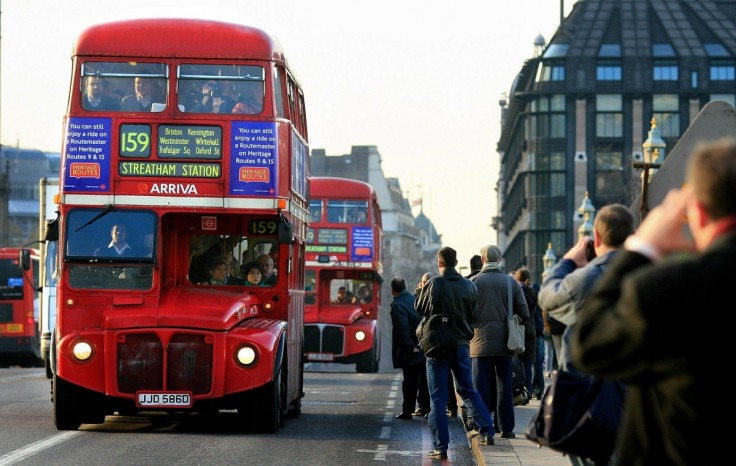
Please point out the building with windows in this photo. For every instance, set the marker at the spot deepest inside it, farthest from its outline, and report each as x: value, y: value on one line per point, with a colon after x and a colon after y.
x: 579, y: 111
x: 20, y: 172
x: 410, y: 244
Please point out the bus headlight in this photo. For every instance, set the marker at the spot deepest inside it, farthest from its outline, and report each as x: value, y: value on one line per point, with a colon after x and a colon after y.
x: 360, y: 335
x: 246, y: 355
x: 82, y: 350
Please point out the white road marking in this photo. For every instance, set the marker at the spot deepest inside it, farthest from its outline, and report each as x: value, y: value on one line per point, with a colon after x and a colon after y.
x: 35, y: 447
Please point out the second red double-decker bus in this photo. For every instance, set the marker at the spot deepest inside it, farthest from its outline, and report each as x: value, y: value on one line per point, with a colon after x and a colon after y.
x: 344, y: 274
x: 185, y: 162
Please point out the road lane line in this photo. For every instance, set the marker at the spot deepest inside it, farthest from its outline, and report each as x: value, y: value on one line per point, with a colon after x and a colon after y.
x: 35, y: 447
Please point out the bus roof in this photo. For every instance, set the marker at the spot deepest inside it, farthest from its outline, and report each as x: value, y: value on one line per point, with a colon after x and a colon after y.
x: 339, y: 188
x: 175, y: 37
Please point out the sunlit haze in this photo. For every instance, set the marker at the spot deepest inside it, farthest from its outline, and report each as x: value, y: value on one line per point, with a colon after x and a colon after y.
x: 421, y: 80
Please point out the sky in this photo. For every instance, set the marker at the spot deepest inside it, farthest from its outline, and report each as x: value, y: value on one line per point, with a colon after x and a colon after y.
x: 420, y: 80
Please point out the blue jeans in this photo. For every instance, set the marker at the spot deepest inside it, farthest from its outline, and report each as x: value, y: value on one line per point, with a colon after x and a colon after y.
x: 492, y: 377
x: 438, y: 371
x: 538, y: 372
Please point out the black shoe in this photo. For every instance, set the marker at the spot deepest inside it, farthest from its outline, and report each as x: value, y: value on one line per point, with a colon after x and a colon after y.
x: 404, y: 416
x: 508, y: 435
x: 420, y: 412
x: 487, y: 441
x: 437, y: 455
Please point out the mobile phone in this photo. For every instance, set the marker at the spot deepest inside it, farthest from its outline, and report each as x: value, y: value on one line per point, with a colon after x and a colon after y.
x: 590, y: 251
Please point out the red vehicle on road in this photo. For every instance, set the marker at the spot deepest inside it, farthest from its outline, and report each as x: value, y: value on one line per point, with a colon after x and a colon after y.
x: 344, y: 274
x: 185, y: 146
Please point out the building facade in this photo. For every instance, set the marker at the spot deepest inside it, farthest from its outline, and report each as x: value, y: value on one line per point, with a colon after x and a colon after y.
x: 579, y: 111
x: 410, y: 244
x: 20, y: 172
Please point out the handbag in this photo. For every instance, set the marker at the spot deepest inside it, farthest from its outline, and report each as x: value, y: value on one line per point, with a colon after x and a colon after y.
x: 516, y: 328
x: 578, y: 415
x: 436, y: 333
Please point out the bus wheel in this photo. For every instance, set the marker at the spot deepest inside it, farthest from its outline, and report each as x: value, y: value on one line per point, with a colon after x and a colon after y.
x: 47, y: 365
x: 268, y: 407
x: 367, y: 362
x: 66, y: 404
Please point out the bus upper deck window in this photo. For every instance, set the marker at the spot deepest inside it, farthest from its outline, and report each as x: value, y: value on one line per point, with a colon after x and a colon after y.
x: 220, y: 88
x: 124, y: 86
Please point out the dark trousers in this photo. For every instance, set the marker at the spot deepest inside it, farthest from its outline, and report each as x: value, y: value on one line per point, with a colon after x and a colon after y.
x: 414, y: 388
x: 451, y: 395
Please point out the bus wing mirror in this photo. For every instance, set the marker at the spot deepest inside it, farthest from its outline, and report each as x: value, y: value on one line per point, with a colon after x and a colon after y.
x: 52, y: 230
x: 286, y: 233
x: 24, y: 260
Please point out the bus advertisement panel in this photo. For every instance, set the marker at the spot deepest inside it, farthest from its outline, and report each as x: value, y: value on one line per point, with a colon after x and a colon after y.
x: 183, y: 220
x: 344, y: 274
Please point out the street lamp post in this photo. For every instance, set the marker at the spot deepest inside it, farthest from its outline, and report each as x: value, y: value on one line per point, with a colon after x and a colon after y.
x: 654, y: 152
x: 587, y: 210
x: 548, y: 260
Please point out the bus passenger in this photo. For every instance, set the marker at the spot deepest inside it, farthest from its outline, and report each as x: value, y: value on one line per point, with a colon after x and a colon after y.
x: 343, y: 296
x: 252, y: 274
x: 233, y: 279
x: 364, y: 295
x: 141, y: 100
x: 94, y: 98
x: 212, y: 100
x: 268, y: 272
x: 119, y: 245
x: 218, y: 272
x: 250, y: 98
x: 360, y: 216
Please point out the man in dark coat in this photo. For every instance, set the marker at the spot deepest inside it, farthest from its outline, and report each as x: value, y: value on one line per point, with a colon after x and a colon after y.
x: 456, y: 297
x: 405, y: 350
x: 654, y: 324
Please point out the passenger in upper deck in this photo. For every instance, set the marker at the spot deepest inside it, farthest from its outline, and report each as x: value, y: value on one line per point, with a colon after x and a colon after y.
x: 360, y: 216
x: 94, y: 98
x: 143, y: 98
x: 212, y: 100
x: 250, y: 98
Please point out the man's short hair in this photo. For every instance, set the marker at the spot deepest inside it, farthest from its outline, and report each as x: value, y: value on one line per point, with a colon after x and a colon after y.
x: 447, y: 256
x: 614, y: 223
x: 711, y: 173
x: 398, y: 284
x: 476, y: 263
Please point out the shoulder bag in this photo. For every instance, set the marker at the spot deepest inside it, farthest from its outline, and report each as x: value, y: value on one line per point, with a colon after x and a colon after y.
x: 579, y: 415
x: 436, y: 333
x: 516, y: 328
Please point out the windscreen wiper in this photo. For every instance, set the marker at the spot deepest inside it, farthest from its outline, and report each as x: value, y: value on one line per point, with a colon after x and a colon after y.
x: 108, y: 208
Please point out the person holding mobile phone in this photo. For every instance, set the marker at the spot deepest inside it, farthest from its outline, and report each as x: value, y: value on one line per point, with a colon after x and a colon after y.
x: 570, y: 281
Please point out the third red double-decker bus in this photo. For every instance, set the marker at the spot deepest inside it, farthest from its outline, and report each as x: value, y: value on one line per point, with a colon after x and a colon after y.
x: 343, y: 274
x: 185, y: 162
x: 19, y: 343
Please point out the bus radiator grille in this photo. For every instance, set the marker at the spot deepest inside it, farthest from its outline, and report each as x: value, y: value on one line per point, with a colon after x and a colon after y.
x: 324, y: 339
x: 141, y: 363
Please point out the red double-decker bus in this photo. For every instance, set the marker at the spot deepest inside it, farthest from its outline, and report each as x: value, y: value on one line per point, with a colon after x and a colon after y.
x: 344, y: 274
x: 19, y: 335
x: 185, y: 161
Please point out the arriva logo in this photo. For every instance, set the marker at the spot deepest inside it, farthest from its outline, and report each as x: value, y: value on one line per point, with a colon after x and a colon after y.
x: 173, y: 188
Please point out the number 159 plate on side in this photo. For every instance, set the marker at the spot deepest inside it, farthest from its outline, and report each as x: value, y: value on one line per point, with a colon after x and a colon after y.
x: 151, y: 399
